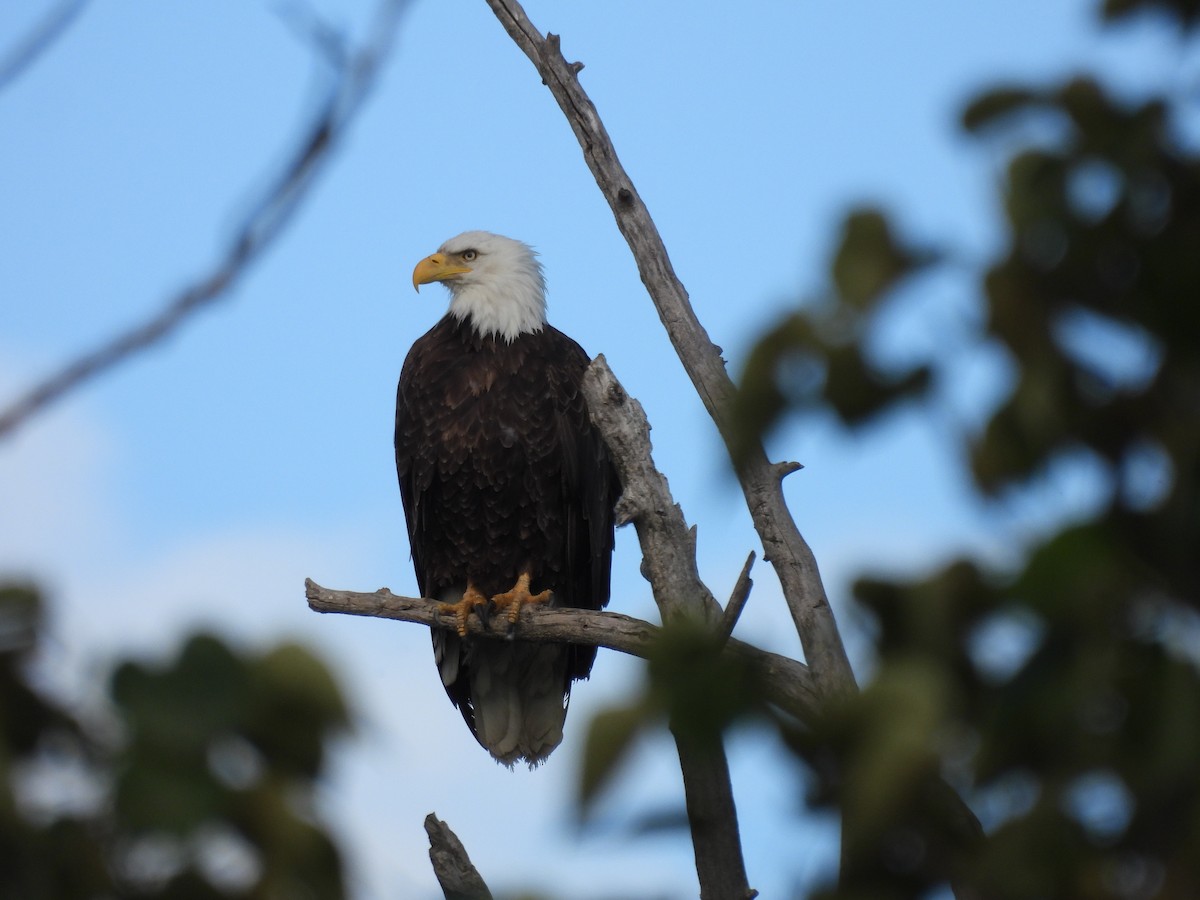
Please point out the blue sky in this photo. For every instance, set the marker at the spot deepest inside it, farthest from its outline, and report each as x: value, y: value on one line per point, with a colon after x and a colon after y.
x: 201, y: 483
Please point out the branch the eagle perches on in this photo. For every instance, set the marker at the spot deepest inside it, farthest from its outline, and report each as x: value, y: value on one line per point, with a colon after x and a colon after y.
x: 668, y: 548
x: 669, y: 563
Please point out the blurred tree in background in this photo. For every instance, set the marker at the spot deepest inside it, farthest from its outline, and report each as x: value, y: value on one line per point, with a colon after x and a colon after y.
x: 197, y: 782
x: 1061, y: 695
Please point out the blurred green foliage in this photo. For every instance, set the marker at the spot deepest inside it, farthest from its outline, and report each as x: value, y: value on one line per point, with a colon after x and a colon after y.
x: 1059, y: 696
x: 196, y: 782
x: 820, y: 352
x: 1093, y: 710
x: 691, y: 687
x: 1186, y: 12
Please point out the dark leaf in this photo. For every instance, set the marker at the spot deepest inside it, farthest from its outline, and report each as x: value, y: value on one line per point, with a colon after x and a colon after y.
x: 997, y: 104
x: 1187, y: 12
x: 869, y: 260
x: 611, y: 735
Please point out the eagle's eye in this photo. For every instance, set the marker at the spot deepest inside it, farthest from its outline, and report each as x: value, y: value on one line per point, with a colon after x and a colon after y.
x: 469, y: 255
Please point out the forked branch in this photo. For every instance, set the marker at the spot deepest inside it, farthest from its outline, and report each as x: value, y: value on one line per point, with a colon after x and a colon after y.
x: 784, y: 547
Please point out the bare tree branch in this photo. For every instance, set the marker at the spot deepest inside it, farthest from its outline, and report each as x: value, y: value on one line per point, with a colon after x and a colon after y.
x: 669, y: 562
x: 783, y: 545
x: 789, y: 684
x: 459, y: 878
x: 668, y: 544
x: 51, y: 27
x: 710, y: 813
x: 537, y: 624
x: 256, y: 233
x: 737, y: 600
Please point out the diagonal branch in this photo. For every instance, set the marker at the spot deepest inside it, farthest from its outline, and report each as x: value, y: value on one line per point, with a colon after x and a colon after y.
x: 255, y: 234
x: 737, y: 600
x: 27, y: 51
x: 784, y: 547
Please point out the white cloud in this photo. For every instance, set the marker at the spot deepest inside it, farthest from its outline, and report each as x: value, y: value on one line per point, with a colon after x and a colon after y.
x: 51, y: 487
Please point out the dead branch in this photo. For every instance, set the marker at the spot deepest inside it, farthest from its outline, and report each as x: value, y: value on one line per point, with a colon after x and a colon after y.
x: 537, y: 624
x: 783, y: 545
x: 669, y: 563
x: 668, y: 544
x: 257, y: 231
x: 459, y: 878
x: 788, y: 683
x: 710, y: 812
x: 737, y: 600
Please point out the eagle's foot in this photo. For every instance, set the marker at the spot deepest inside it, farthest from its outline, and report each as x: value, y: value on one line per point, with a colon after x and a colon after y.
x: 513, y: 600
x: 471, y: 599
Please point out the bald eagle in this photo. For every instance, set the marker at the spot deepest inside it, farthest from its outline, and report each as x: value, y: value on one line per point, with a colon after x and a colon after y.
x: 508, y: 489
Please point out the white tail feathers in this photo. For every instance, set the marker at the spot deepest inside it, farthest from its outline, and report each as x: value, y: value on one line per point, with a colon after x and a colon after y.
x: 518, y: 692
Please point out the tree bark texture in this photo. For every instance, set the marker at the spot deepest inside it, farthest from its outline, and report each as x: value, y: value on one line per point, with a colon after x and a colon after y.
x: 460, y: 880
x: 789, y: 684
x: 761, y: 480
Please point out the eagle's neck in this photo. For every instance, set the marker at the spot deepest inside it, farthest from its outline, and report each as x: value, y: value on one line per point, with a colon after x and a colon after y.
x: 504, y: 308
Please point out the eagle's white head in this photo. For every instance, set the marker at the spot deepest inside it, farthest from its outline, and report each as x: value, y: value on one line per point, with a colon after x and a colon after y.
x: 494, y: 281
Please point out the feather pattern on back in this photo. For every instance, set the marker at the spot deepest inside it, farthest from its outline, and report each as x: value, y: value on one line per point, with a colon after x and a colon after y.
x: 501, y: 471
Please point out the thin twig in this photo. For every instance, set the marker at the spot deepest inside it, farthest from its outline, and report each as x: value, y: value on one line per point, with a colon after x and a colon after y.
x: 50, y: 28
x: 737, y: 600
x: 257, y: 232
x: 787, y: 467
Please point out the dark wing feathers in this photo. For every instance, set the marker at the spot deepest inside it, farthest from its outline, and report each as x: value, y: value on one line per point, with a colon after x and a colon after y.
x: 500, y: 467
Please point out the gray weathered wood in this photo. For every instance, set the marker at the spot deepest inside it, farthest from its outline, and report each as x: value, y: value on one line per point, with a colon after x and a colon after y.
x: 783, y: 545
x: 788, y: 683
x: 460, y: 880
x: 668, y: 544
x: 669, y: 562
x: 737, y: 599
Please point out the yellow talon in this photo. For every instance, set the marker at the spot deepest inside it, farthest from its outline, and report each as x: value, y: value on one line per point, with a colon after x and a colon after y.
x: 471, y: 599
x: 516, y: 598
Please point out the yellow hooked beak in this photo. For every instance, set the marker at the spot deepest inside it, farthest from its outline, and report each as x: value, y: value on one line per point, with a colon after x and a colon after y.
x: 436, y: 268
